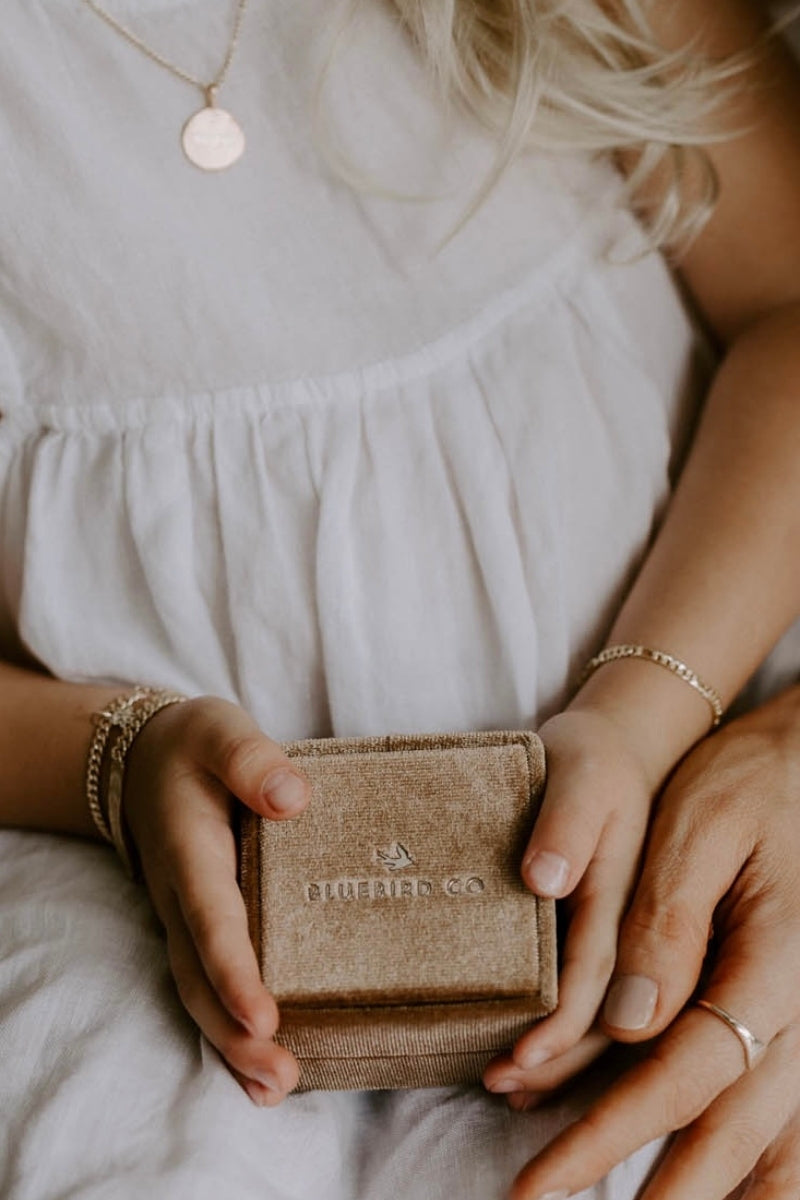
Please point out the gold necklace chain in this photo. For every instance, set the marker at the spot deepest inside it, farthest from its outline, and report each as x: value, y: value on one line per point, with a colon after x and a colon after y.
x: 218, y: 80
x: 212, y: 139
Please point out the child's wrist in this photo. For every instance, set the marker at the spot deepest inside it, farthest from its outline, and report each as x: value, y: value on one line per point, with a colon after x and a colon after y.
x: 660, y: 716
x: 660, y: 658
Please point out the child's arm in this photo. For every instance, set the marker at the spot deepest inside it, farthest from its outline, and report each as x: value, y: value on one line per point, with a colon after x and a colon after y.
x: 182, y: 770
x: 723, y: 578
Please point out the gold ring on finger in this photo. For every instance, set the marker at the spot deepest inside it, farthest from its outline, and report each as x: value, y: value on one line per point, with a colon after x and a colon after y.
x: 753, y: 1047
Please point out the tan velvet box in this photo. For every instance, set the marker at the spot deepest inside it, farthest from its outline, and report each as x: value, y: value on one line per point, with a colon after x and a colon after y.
x: 390, y: 920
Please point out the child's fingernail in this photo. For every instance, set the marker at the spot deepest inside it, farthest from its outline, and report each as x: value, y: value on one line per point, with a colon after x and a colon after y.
x: 245, y: 1023
x: 284, y: 791
x: 546, y: 873
x: 505, y: 1085
x: 532, y: 1058
x: 525, y: 1101
x: 257, y: 1094
x: 631, y: 1002
x: 268, y: 1080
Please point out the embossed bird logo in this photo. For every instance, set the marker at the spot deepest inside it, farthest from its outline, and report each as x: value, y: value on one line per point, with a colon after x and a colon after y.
x: 396, y: 858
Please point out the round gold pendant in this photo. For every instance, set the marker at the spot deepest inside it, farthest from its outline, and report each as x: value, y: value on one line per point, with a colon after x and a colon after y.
x: 212, y: 139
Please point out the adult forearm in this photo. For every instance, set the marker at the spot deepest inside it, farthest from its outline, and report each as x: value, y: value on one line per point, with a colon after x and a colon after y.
x: 45, y: 730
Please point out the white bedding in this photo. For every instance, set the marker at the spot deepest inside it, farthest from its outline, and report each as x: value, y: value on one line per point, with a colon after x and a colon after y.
x: 108, y: 1092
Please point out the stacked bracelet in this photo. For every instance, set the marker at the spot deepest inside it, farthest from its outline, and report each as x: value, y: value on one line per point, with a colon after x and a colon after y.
x: 125, y: 717
x: 112, y: 716
x: 662, y: 659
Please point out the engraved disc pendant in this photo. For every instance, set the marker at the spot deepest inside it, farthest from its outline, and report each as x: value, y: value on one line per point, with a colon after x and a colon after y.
x: 212, y: 139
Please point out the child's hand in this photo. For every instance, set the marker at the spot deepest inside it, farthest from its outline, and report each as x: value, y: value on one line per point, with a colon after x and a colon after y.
x: 184, y: 769
x: 586, y: 846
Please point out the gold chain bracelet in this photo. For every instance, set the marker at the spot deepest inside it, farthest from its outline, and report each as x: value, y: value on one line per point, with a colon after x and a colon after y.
x: 661, y: 659
x: 127, y: 715
x: 112, y: 716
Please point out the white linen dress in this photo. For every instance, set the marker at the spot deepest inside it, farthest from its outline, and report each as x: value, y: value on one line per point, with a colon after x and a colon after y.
x: 278, y: 438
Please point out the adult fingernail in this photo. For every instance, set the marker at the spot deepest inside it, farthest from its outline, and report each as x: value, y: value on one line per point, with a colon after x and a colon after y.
x: 284, y: 791
x: 631, y: 1002
x: 562, y: 1195
x: 547, y: 873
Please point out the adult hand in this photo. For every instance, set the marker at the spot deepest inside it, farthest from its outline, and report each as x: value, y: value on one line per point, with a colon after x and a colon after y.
x: 184, y: 770
x: 724, y: 847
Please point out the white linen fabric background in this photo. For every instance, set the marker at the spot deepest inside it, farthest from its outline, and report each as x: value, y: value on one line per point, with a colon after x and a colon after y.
x: 265, y: 436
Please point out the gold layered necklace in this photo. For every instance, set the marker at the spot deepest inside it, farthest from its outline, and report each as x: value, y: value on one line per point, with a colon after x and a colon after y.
x: 212, y: 139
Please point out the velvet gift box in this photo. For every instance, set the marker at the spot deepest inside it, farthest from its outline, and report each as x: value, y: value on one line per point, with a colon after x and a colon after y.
x: 390, y: 920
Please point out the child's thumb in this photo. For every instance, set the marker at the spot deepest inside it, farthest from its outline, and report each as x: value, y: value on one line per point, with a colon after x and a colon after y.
x: 583, y: 792
x: 253, y: 767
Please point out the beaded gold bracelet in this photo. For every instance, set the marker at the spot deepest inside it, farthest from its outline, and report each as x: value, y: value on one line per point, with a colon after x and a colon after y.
x: 662, y: 659
x: 127, y: 716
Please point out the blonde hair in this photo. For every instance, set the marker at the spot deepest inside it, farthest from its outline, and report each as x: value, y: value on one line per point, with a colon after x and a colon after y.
x: 572, y: 74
